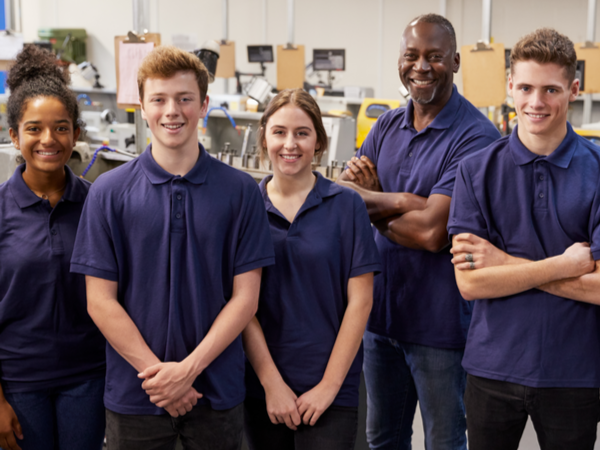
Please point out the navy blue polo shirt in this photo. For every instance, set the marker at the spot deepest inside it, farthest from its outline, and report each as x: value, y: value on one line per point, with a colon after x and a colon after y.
x: 47, y: 338
x: 305, y: 294
x: 532, y: 207
x: 416, y: 298
x: 174, y: 245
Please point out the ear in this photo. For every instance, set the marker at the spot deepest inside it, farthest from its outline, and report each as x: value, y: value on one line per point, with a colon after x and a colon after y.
x: 14, y: 137
x: 456, y: 64
x: 142, y: 109
x: 204, y: 107
x: 510, y: 85
x: 574, y: 90
x: 76, y: 134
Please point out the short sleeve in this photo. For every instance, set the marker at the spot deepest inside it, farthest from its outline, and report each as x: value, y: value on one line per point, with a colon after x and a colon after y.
x: 365, y: 257
x: 445, y: 184
x: 465, y: 212
x: 254, y: 246
x: 94, y: 252
x: 595, y: 226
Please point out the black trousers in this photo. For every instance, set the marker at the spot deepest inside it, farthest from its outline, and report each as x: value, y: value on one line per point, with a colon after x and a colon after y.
x: 335, y: 430
x: 497, y: 411
x: 202, y: 428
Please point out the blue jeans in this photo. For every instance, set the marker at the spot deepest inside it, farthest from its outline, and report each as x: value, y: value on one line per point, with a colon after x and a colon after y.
x: 397, y: 375
x: 64, y: 418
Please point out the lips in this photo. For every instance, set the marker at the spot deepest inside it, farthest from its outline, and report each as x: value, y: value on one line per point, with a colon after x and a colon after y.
x: 47, y: 153
x: 290, y: 157
x: 537, y: 116
x: 174, y: 126
x: 422, y: 82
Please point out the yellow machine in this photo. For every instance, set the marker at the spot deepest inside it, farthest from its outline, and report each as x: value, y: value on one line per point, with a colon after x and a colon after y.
x: 590, y: 135
x: 370, y: 110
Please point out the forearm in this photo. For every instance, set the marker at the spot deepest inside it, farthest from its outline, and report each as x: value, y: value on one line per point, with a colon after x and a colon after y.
x: 116, y: 325
x: 257, y: 352
x: 385, y: 204
x: 228, y: 325
x: 505, y: 280
x: 585, y: 288
x: 351, y: 330
x: 414, y: 230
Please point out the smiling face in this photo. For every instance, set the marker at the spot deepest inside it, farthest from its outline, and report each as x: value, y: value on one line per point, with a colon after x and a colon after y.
x: 427, y: 63
x: 172, y: 108
x: 291, y: 141
x: 541, y: 93
x: 45, y: 136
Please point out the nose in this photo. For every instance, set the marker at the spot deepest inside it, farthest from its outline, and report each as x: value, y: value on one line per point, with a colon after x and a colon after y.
x: 536, y: 99
x: 290, y: 141
x: 172, y: 108
x: 422, y: 65
x: 48, y: 137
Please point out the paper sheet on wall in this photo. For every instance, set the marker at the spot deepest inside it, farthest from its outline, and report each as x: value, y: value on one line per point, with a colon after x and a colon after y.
x: 130, y: 59
x: 10, y: 45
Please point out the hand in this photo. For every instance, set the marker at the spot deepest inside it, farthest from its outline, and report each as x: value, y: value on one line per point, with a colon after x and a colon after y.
x: 183, y: 405
x: 580, y: 260
x: 281, y: 405
x: 312, y: 404
x: 167, y: 382
x: 9, y: 427
x: 483, y: 253
x: 364, y: 173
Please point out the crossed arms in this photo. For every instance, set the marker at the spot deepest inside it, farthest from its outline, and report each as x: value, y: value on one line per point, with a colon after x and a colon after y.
x: 407, y: 219
x: 573, y: 275
x: 169, y: 385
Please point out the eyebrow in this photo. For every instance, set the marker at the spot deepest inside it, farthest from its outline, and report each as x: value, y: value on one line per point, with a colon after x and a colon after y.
x: 36, y: 122
x: 299, y: 128
x: 549, y: 86
x: 176, y: 93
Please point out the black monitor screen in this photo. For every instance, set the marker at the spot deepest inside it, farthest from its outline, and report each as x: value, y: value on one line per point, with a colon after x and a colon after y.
x: 328, y: 59
x: 260, y: 53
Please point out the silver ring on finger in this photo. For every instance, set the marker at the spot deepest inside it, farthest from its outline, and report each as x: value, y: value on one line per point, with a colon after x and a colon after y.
x: 471, y: 265
x: 469, y: 257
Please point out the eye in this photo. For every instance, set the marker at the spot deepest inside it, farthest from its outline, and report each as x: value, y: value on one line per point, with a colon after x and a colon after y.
x: 409, y: 56
x: 525, y: 88
x: 62, y: 129
x: 32, y: 129
x: 436, y: 56
x: 156, y: 100
x: 552, y: 90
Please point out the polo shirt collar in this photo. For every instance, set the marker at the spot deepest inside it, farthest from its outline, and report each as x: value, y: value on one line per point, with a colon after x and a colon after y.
x: 158, y: 175
x: 561, y: 157
x: 26, y: 198
x: 323, y: 188
x: 443, y: 120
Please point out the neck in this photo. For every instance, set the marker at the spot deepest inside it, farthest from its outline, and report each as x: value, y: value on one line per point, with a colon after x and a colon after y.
x: 423, y: 115
x: 542, y: 145
x: 176, y: 161
x: 288, y: 186
x: 43, y: 182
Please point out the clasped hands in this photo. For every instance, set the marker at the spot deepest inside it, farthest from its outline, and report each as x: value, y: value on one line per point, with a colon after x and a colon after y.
x: 472, y: 252
x: 363, y: 172
x: 169, y: 386
x: 285, y: 407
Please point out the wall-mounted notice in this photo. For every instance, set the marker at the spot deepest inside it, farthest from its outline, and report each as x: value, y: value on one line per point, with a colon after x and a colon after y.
x: 130, y: 59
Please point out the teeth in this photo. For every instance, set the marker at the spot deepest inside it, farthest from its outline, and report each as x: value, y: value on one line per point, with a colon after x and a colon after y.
x: 422, y: 83
x: 537, y: 116
x: 289, y: 157
x: 48, y: 153
x: 173, y: 127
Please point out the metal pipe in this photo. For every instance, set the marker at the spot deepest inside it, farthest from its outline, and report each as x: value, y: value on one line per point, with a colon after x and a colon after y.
x: 591, y: 24
x: 381, y: 40
x: 265, y: 17
x: 443, y: 7
x: 225, y: 18
x: 141, y: 16
x: 486, y: 21
x: 290, y: 22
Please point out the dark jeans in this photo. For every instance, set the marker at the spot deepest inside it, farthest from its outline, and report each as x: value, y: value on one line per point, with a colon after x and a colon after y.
x: 563, y: 418
x: 64, y: 418
x: 335, y: 430
x: 203, y: 428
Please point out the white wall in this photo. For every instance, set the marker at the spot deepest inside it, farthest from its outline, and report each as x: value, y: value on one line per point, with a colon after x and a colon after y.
x: 349, y: 24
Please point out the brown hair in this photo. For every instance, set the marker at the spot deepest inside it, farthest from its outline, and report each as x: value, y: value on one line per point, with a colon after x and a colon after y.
x: 165, y: 61
x: 546, y: 45
x: 304, y: 101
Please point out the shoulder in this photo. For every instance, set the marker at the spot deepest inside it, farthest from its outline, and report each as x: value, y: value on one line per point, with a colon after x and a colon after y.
x: 117, y: 180
x: 391, y: 117
x: 473, y: 123
x: 492, y: 153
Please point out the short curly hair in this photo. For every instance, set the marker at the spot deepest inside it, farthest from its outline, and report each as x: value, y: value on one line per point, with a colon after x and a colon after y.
x: 546, y: 45
x: 36, y: 74
x: 165, y: 61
